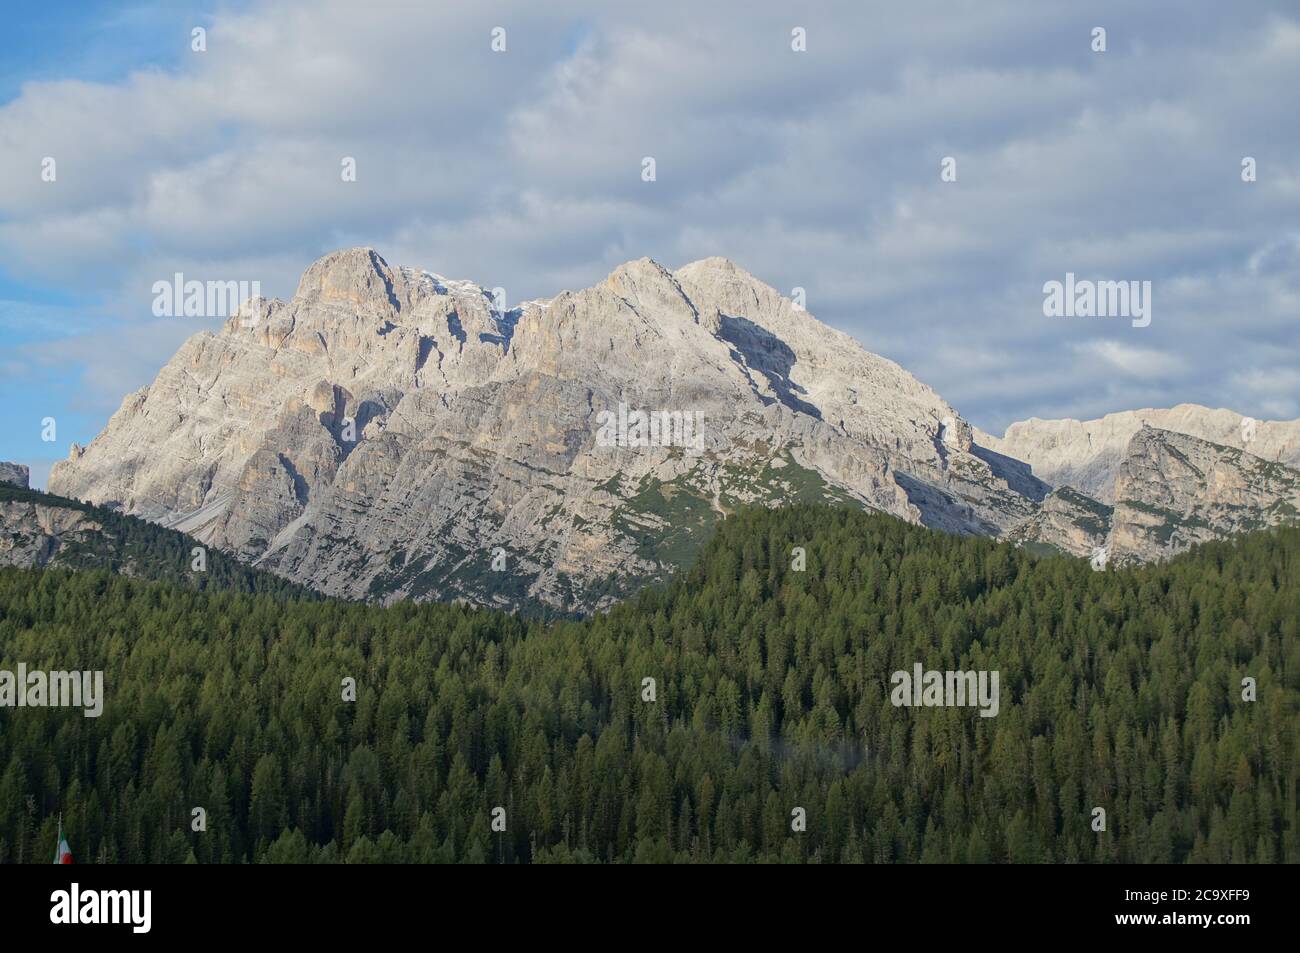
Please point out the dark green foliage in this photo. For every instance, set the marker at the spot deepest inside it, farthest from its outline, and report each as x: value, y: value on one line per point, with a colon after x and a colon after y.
x: 1119, y: 690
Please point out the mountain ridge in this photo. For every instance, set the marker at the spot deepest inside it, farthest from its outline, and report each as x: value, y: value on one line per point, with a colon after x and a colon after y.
x: 40, y: 530
x: 391, y: 433
x: 1086, y: 454
x: 478, y: 422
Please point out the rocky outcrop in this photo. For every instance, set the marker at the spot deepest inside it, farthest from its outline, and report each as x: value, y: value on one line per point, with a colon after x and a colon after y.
x: 1067, y: 522
x: 1171, y: 490
x: 16, y: 474
x: 1174, y: 490
x: 33, y: 535
x: 390, y: 433
x: 41, y: 530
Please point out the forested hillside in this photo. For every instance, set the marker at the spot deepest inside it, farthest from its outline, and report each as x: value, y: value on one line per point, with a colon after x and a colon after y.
x: 1120, y: 690
x: 106, y: 539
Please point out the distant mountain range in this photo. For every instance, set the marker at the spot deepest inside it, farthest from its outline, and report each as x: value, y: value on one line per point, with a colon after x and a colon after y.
x: 389, y: 433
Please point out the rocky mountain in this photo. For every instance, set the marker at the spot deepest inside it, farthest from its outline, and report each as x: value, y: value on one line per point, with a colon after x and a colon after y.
x: 1087, y: 454
x: 34, y: 533
x: 1068, y: 521
x: 391, y: 433
x: 1174, y: 490
x: 15, y: 474
x: 1171, y: 491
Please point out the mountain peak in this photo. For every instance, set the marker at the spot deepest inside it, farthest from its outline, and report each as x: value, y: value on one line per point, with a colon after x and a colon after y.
x: 346, y: 259
x: 353, y: 276
x: 715, y: 263
x: 718, y: 271
x: 638, y: 269
x: 381, y: 432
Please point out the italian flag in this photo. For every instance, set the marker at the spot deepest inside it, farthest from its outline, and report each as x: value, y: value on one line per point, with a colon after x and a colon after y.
x: 63, y: 855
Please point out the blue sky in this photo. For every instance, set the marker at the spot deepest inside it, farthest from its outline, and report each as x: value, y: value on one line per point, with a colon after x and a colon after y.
x: 93, y: 41
x: 98, y: 43
x: 817, y: 169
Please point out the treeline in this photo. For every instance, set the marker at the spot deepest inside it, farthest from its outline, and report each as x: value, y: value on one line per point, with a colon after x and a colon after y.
x: 1120, y: 690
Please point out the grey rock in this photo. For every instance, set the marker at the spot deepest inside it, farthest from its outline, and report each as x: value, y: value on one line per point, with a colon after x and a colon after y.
x: 1174, y: 491
x: 1087, y: 454
x: 33, y: 535
x: 1068, y: 521
x: 15, y: 473
x: 388, y: 434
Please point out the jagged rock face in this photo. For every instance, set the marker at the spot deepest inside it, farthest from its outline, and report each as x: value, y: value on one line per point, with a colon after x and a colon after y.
x: 1087, y: 454
x: 33, y: 535
x: 15, y: 473
x: 387, y: 433
x: 1068, y: 521
x: 1174, y: 490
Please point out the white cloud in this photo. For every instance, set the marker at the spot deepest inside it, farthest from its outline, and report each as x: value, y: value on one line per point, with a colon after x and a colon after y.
x: 1141, y: 362
x: 818, y: 169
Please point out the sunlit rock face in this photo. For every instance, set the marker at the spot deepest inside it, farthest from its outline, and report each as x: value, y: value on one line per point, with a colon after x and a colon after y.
x: 390, y: 433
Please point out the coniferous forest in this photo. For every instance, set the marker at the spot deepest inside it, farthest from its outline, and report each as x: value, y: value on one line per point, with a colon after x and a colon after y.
x: 1120, y: 690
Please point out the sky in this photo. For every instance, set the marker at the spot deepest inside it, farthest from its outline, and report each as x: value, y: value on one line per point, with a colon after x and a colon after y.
x: 817, y: 168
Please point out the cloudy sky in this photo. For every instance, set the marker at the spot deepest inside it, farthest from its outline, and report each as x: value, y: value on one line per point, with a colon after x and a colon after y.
x: 818, y: 169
